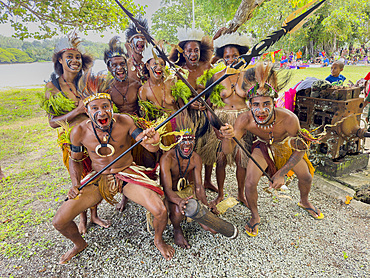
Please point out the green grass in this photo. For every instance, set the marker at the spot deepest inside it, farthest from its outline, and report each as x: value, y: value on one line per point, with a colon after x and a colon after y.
x: 352, y: 73
x: 36, y: 176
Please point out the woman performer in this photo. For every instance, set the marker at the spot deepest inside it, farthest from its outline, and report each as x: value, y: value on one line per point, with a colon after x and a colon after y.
x: 195, y: 59
x: 228, y: 104
x: 63, y: 104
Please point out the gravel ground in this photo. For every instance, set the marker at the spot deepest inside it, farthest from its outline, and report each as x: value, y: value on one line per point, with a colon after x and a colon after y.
x: 290, y: 244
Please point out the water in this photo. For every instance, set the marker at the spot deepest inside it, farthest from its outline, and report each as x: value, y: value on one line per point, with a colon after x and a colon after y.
x: 33, y: 74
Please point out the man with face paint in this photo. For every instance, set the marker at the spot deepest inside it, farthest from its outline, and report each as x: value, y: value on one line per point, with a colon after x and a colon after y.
x: 123, y: 88
x: 228, y: 104
x: 280, y: 145
x: 64, y: 106
x: 124, y: 93
x: 135, y: 45
x: 105, y: 136
x: 195, y: 58
x: 180, y: 167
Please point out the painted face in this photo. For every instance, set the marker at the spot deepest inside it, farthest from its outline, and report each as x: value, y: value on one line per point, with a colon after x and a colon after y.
x: 118, y: 68
x: 100, y: 112
x: 335, y: 70
x: 156, y: 68
x: 138, y: 43
x: 186, y: 147
x: 262, y: 109
x: 71, y: 60
x: 231, y: 54
x: 192, y: 53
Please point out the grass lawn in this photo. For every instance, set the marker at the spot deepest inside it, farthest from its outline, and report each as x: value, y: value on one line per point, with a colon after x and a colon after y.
x: 352, y: 73
x: 37, y: 181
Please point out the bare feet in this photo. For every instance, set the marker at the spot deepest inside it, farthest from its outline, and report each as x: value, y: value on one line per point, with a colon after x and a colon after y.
x: 82, y: 226
x: 166, y: 250
x: 71, y: 253
x: 210, y: 186
x: 180, y: 239
x: 252, y: 228
x: 122, y: 205
x: 243, y: 200
x: 216, y: 201
x: 101, y: 222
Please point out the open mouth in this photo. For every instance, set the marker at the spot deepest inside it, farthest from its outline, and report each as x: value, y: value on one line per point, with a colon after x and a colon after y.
x: 140, y: 46
x: 158, y: 72
x: 103, y: 121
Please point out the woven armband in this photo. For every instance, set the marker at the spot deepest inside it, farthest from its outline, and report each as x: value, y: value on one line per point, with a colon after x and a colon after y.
x: 136, y: 132
x: 77, y: 149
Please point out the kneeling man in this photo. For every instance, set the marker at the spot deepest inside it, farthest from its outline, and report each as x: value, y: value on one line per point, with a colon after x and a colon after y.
x: 181, y: 168
x: 105, y: 136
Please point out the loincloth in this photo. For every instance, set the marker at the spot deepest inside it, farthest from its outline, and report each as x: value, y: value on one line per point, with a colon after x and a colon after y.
x: 277, y: 155
x: 211, y: 151
x: 110, y: 184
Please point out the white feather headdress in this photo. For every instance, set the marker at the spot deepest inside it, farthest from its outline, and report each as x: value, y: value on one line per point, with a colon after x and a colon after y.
x: 193, y: 34
x: 149, y: 53
x: 69, y: 42
x: 233, y: 38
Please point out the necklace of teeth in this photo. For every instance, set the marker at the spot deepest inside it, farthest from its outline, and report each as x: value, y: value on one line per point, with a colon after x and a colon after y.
x: 267, y: 126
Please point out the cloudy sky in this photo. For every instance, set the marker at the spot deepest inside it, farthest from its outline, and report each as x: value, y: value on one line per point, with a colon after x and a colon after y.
x: 152, y: 6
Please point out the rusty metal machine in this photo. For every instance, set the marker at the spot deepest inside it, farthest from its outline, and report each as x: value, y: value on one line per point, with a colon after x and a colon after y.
x: 337, y: 111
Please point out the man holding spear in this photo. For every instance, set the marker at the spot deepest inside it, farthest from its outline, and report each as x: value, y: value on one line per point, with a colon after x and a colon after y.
x: 105, y: 137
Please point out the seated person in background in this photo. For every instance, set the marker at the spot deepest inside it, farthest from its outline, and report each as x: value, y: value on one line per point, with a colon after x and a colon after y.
x: 335, y: 77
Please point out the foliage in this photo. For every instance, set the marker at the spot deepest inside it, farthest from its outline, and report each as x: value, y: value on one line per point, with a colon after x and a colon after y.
x: 39, y: 51
x: 54, y: 17
x: 20, y: 56
x: 336, y: 24
x: 178, y: 13
x: 6, y: 56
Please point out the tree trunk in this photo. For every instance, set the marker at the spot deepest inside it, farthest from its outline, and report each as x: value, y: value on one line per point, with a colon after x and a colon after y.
x: 243, y: 14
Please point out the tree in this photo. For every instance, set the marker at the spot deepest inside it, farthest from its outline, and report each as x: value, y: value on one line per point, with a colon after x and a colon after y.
x: 20, y: 56
x: 54, y: 17
x: 6, y: 56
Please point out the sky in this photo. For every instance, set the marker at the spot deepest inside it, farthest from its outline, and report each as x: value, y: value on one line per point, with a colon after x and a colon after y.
x: 152, y: 6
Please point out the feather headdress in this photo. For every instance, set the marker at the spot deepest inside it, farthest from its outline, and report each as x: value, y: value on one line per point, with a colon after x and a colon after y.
x: 233, y: 39
x: 149, y: 53
x: 193, y: 34
x: 131, y: 30
x: 92, y: 87
x: 115, y: 49
x: 69, y: 42
x: 264, y: 81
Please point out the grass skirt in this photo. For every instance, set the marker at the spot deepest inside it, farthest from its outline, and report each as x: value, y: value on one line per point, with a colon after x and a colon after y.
x: 211, y: 151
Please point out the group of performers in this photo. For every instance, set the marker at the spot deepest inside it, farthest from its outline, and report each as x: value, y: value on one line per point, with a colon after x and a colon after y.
x: 100, y: 116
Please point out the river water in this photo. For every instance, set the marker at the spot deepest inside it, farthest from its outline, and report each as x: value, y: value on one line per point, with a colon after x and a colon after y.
x: 32, y: 74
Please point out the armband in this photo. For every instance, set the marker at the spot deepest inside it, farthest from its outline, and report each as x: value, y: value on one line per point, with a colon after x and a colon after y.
x: 77, y: 149
x: 136, y: 132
